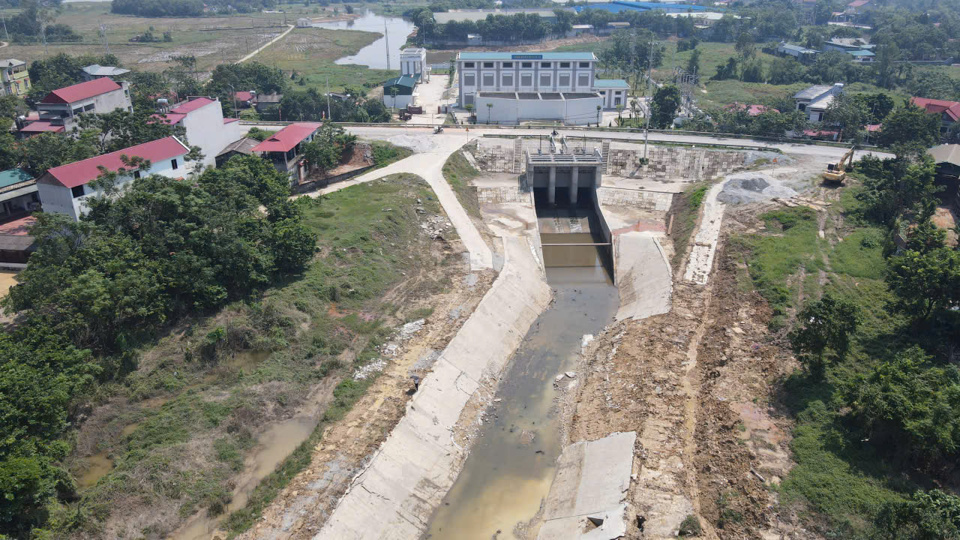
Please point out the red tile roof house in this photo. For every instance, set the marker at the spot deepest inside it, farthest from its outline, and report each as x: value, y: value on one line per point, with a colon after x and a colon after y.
x: 65, y: 189
x: 949, y: 111
x: 202, y: 118
x: 283, y: 148
x: 59, y: 109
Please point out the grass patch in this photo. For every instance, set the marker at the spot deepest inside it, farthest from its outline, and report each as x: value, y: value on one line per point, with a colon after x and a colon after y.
x: 458, y: 172
x: 184, y: 450
x: 385, y: 153
x: 310, y: 54
x: 686, y: 208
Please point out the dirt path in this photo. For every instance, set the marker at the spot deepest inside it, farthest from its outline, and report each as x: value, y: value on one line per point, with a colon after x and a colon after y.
x: 269, y: 43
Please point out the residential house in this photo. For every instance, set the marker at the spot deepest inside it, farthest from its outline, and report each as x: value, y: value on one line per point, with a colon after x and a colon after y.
x: 96, y: 71
x: 14, y: 77
x: 244, y: 99
x: 862, y: 56
x: 283, y: 148
x: 241, y: 147
x: 264, y: 102
x: 847, y: 45
x: 815, y: 100
x: 16, y: 244
x: 18, y: 193
x: 205, y: 126
x: 802, y: 54
x: 400, y: 91
x: 66, y: 189
x: 613, y: 92
x: 58, y: 111
x: 949, y: 111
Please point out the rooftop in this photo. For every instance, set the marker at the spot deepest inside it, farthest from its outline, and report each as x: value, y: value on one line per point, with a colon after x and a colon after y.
x: 81, y: 172
x: 18, y: 227
x: 813, y: 92
x: 242, y: 146
x: 946, y: 153
x: 11, y: 62
x: 84, y: 90
x: 288, y: 138
x: 41, y: 126
x: 191, y: 105
x: 403, y: 80
x: 617, y: 7
x: 610, y: 83
x: 10, y: 177
x: 475, y: 15
x: 492, y: 55
x: 245, y: 95
x: 797, y: 48
x: 97, y: 70
x: 938, y: 106
x: 860, y: 53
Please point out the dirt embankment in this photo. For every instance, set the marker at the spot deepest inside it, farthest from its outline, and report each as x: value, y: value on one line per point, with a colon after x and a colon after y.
x: 698, y: 385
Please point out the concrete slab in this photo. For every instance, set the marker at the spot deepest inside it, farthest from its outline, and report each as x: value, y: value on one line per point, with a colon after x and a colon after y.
x: 705, y: 241
x: 586, y: 500
x: 644, y: 277
x: 396, y: 494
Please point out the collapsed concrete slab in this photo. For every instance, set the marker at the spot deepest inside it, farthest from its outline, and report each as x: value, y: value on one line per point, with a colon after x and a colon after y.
x: 395, y: 496
x: 644, y: 276
x: 586, y: 500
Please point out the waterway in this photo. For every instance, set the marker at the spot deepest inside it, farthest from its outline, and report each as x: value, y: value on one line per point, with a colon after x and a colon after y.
x: 394, y: 29
x: 513, y: 462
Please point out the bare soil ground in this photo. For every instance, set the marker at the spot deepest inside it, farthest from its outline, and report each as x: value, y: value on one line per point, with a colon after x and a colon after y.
x: 699, y: 386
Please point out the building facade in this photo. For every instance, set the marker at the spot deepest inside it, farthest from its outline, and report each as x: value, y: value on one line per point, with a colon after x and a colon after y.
x: 814, y: 100
x: 59, y: 109
x: 66, y: 190
x: 413, y: 63
x: 536, y: 86
x: 14, y: 77
x: 205, y: 126
x: 400, y: 92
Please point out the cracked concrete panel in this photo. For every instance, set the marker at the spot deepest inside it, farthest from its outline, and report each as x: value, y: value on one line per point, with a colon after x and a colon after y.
x: 586, y: 500
x: 407, y: 478
x: 644, y: 276
x: 705, y: 241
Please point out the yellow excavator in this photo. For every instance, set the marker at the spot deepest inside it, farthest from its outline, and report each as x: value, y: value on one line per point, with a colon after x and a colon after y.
x: 837, y: 172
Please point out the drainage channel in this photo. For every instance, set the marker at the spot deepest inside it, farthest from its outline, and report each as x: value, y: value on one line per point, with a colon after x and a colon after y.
x: 512, y: 463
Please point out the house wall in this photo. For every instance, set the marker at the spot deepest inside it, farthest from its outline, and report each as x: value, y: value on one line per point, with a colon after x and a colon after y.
x: 205, y: 128
x: 104, y: 103
x: 59, y: 199
x: 397, y: 102
x: 523, y: 75
x: 512, y: 110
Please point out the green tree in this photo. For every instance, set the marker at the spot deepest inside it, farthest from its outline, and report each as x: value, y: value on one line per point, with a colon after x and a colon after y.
x: 785, y: 71
x: 824, y: 324
x: 898, y: 189
x: 909, y: 407
x: 848, y: 115
x: 746, y: 46
x: 928, y: 515
x: 693, y: 64
x: 666, y: 103
x: 925, y: 283
x: 910, y: 129
x: 48, y: 150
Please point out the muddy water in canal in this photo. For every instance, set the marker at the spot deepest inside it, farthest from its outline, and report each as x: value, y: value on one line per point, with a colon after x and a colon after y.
x: 512, y: 463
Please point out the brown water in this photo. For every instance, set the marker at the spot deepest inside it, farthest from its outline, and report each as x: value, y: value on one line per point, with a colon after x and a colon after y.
x: 512, y: 463
x: 97, y: 466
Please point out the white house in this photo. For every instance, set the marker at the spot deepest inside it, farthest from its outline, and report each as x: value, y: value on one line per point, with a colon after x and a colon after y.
x: 413, y: 63
x: 205, y: 126
x: 65, y: 189
x: 59, y: 109
x: 815, y: 100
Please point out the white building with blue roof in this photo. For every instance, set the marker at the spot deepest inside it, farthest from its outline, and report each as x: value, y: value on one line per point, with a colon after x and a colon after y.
x: 527, y: 86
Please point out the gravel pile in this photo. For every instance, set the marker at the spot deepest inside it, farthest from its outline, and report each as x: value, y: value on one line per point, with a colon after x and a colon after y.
x: 753, y: 187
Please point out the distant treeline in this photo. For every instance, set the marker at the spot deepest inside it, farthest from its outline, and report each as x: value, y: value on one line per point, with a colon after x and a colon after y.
x: 186, y: 8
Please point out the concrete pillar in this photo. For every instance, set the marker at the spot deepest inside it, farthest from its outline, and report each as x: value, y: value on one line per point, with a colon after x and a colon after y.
x: 552, y: 186
x: 574, y: 178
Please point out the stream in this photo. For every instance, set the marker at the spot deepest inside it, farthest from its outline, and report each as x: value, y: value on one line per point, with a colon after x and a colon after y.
x: 512, y: 463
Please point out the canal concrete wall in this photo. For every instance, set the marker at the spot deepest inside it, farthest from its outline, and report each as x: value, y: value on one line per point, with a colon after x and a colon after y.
x: 407, y: 478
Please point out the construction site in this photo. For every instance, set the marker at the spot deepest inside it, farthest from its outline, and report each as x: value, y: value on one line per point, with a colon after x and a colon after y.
x: 615, y: 378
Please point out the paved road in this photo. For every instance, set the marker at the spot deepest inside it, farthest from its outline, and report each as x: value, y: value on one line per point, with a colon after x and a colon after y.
x: 432, y: 153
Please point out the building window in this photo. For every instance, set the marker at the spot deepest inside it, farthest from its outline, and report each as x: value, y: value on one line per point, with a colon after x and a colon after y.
x: 469, y: 80
x: 77, y: 191
x: 488, y: 79
x: 136, y: 174
x: 526, y: 80
x: 508, y: 65
x: 544, y: 80
x: 616, y: 100
x: 88, y: 107
x: 563, y: 80
x: 507, y: 79
x: 527, y: 65
x: 173, y: 163
x: 488, y: 64
x: 77, y: 111
x: 545, y: 65
x: 585, y: 65
x: 468, y: 65
x: 564, y: 64
x: 583, y: 80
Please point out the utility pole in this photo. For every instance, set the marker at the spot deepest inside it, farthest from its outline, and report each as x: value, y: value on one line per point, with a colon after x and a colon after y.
x: 646, y: 129
x: 329, y: 118
x: 4, y: 19
x: 103, y: 34
x: 386, y: 41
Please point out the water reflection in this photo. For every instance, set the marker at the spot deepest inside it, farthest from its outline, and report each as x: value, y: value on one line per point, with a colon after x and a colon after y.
x: 374, y: 55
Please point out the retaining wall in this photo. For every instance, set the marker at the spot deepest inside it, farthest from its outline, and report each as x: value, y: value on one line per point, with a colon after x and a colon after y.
x: 670, y: 163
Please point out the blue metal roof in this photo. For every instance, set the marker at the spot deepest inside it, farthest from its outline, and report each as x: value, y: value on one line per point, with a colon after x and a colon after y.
x: 618, y: 7
x: 574, y: 56
x: 610, y: 83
